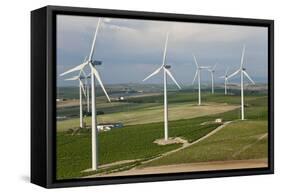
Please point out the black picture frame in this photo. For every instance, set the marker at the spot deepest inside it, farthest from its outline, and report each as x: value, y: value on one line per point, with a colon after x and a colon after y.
x: 43, y: 95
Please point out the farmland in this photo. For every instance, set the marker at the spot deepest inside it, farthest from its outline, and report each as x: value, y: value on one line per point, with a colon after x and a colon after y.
x: 143, y: 123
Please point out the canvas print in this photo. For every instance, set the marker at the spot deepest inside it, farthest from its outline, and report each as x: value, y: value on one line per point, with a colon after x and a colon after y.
x: 142, y: 97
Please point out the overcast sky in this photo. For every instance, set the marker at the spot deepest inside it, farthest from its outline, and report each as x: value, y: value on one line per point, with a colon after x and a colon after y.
x: 132, y: 49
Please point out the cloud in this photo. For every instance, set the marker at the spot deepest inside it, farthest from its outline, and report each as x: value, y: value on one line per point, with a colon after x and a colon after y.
x: 132, y: 48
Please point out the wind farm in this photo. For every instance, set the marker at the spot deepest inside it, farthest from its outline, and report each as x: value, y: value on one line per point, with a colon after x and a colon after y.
x: 204, y: 117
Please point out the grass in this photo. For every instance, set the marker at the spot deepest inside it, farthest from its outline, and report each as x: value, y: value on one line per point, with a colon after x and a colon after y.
x: 152, y: 114
x: 135, y: 112
x: 239, y: 140
x: 74, y: 153
x: 192, y: 97
x: 136, y: 141
x: 140, y: 103
x: 102, y: 106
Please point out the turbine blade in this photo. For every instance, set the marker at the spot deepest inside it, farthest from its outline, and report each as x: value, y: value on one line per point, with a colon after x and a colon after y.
x: 85, y: 59
x: 84, y: 74
x: 82, y: 86
x: 195, y: 61
x: 94, y: 41
x: 195, y: 76
x: 233, y: 74
x: 226, y: 71
x: 165, y: 50
x: 214, y: 67
x: 172, y: 77
x: 242, y: 57
x: 96, y: 73
x: 204, y: 67
x: 153, y: 73
x: 77, y: 68
x: 248, y: 76
x: 73, y: 78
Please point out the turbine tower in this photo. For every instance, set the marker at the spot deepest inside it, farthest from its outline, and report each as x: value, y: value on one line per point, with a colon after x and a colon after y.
x: 198, y: 76
x: 225, y: 77
x: 242, y: 71
x: 94, y: 75
x: 87, y: 87
x: 87, y: 90
x: 166, y: 72
x: 212, y: 71
x: 81, y: 89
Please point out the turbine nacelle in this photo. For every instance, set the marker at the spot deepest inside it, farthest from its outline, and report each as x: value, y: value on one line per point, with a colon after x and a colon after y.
x: 95, y: 62
x: 167, y: 66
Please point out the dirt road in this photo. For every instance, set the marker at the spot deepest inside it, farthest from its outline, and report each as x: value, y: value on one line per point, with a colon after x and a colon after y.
x: 192, y: 167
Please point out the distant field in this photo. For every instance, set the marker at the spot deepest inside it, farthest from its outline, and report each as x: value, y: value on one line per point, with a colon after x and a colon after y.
x: 131, y: 113
x: 176, y: 112
x: 135, y: 141
x: 152, y: 114
x: 70, y: 108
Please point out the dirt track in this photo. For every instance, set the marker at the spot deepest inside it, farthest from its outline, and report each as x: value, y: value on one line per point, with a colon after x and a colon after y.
x: 191, y: 167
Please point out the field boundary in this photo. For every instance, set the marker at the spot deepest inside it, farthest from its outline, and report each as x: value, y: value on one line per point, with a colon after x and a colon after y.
x: 194, y: 167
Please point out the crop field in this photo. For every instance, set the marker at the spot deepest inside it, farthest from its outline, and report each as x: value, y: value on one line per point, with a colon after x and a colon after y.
x: 148, y: 109
x: 152, y: 114
x: 239, y: 140
x: 74, y: 151
x: 129, y: 146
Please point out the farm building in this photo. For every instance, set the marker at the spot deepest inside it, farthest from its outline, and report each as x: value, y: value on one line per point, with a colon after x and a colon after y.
x: 108, y: 126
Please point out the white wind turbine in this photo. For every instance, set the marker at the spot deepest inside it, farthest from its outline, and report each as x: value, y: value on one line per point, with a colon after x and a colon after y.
x: 198, y: 76
x: 225, y: 77
x: 212, y: 71
x: 242, y: 72
x: 166, y: 71
x: 94, y: 75
x: 79, y: 78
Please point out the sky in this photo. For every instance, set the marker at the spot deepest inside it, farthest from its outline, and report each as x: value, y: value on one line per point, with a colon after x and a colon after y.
x: 132, y: 49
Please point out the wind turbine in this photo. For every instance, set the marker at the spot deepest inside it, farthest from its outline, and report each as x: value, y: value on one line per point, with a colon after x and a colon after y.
x: 81, y: 89
x: 225, y: 77
x: 94, y: 75
x: 198, y: 75
x: 242, y: 71
x: 166, y: 72
x: 212, y: 71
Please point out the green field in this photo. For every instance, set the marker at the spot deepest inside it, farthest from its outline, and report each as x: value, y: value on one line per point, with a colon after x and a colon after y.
x: 238, y: 140
x: 152, y: 114
x: 141, y: 110
x: 73, y: 152
x: 135, y: 141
